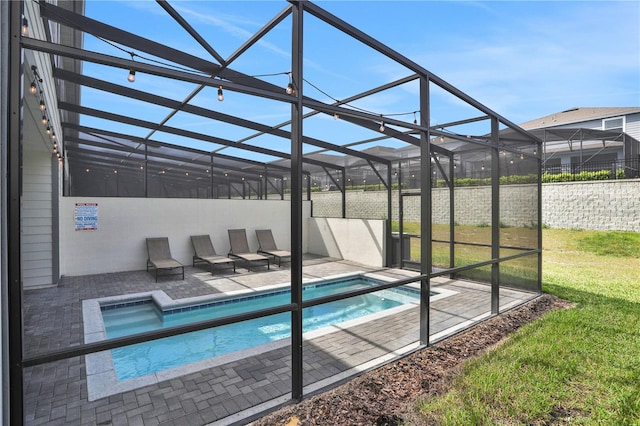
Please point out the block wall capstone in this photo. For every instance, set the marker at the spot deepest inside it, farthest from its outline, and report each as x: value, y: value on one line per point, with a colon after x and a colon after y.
x: 598, y: 205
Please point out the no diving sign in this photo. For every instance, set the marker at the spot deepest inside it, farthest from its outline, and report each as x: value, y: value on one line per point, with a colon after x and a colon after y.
x: 86, y: 216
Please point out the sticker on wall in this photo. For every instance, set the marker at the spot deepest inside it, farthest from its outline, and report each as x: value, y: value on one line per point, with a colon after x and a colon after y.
x: 86, y: 216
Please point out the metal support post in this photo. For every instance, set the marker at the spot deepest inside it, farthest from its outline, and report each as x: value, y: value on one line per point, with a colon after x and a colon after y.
x: 495, y: 216
x: 425, y: 210
x: 296, y: 202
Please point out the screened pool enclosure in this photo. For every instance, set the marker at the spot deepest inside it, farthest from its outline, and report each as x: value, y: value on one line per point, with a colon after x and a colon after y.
x: 165, y: 123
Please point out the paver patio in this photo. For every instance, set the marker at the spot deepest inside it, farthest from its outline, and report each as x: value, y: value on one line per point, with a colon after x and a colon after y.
x: 232, y: 392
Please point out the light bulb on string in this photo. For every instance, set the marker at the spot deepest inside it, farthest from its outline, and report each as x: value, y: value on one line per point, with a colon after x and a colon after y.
x: 25, y: 26
x: 290, y: 90
x: 382, y: 126
x: 44, y: 119
x: 220, y: 94
x: 132, y: 73
x: 415, y: 120
x: 42, y: 105
x: 290, y: 87
x: 336, y: 116
x: 48, y: 130
x: 33, y: 88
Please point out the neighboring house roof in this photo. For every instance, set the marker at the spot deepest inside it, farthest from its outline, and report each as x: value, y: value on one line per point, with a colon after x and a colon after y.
x: 577, y: 115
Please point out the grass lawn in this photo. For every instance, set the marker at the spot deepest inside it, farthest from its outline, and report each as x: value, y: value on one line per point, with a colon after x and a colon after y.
x: 579, y: 365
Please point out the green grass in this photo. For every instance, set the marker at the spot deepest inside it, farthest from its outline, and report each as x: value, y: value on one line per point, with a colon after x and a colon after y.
x: 579, y: 365
x: 614, y: 243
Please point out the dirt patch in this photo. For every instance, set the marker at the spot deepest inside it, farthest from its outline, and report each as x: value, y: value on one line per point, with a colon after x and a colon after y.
x: 386, y: 396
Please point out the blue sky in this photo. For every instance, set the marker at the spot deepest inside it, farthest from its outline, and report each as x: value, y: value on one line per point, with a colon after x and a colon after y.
x: 521, y: 59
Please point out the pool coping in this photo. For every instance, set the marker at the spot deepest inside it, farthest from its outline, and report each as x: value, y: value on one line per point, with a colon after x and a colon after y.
x: 101, y: 377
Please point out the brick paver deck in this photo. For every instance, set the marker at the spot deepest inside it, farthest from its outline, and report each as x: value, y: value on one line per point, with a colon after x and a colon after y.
x: 56, y: 393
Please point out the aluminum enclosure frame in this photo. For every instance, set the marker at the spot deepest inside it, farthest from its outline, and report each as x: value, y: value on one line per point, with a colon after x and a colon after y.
x: 420, y: 134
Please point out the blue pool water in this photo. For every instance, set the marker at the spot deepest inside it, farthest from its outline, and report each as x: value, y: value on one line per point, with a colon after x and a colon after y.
x: 150, y: 357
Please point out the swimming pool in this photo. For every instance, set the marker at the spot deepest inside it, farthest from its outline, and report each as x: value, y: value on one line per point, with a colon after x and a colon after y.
x: 144, y: 315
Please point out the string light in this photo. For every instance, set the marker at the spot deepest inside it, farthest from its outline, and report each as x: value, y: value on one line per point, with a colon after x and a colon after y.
x: 382, y: 126
x: 36, y: 87
x: 132, y: 73
x: 415, y: 120
x: 220, y: 94
x: 291, y: 90
x: 25, y: 26
x: 482, y: 166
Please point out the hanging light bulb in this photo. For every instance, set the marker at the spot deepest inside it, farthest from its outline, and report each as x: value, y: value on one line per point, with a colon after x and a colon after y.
x: 521, y: 156
x: 33, y: 88
x: 336, y: 116
x: 42, y: 105
x: 482, y: 166
x: 48, y: 130
x: 132, y: 75
x: 55, y: 146
x: 44, y: 119
x: 290, y: 90
x: 382, y: 126
x: 220, y: 94
x: 53, y: 136
x: 415, y: 120
x: 25, y: 26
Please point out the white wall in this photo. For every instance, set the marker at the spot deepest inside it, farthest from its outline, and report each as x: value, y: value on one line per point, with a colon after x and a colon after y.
x: 36, y: 207
x: 357, y: 240
x: 124, y: 223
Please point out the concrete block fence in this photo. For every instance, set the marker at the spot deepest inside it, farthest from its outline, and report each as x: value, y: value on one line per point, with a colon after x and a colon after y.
x: 597, y: 205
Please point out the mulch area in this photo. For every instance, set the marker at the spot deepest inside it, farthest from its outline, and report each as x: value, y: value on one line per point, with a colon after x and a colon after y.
x: 386, y: 396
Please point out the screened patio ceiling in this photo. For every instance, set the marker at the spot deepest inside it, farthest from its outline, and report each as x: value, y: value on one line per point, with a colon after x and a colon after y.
x: 174, y: 93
